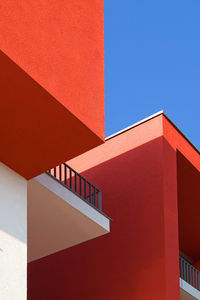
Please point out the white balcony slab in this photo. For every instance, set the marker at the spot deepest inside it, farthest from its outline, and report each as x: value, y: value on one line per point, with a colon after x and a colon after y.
x: 188, y: 292
x: 58, y: 218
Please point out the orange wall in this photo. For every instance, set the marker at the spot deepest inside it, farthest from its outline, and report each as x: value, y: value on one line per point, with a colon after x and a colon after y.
x: 139, y: 258
x: 60, y: 45
x: 52, y: 82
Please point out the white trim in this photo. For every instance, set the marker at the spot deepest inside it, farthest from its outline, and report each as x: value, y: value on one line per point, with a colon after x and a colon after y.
x: 135, y: 124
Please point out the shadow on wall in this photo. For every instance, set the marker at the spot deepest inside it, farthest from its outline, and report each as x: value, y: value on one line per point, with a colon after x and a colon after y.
x: 28, y: 114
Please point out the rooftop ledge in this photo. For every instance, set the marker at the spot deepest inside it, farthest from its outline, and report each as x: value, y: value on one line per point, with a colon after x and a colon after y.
x: 157, y: 125
x: 148, y: 119
x: 64, y: 210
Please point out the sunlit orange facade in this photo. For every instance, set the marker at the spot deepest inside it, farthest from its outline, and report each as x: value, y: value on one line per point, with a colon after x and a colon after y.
x: 52, y: 82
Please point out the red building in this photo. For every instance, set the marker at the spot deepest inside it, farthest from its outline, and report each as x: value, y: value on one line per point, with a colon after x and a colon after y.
x: 149, y: 175
x: 55, y: 221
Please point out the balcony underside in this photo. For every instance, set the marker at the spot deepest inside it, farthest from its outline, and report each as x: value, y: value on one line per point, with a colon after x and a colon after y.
x: 58, y: 218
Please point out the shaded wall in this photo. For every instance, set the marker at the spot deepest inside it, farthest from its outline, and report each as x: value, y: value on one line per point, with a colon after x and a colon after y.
x: 188, y: 207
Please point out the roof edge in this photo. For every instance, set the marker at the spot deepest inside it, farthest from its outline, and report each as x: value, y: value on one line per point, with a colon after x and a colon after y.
x: 134, y: 125
x: 181, y: 133
x: 148, y: 119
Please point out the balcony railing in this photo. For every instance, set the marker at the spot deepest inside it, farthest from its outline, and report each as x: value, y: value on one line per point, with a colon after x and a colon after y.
x: 188, y: 273
x: 77, y: 184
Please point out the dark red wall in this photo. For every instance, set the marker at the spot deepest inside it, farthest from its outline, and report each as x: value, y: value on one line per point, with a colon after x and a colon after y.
x: 138, y: 259
x: 188, y: 207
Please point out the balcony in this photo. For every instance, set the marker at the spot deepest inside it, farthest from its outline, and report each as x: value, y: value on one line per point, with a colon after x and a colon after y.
x: 189, y: 280
x: 64, y: 209
x: 77, y: 184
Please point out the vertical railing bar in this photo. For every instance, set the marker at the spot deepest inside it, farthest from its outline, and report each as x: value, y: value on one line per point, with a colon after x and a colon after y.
x: 182, y: 263
x: 94, y: 196
x: 100, y: 204
x: 75, y: 182
x: 80, y: 182
x: 191, y: 275
x: 85, y: 189
x: 186, y: 273
x: 184, y: 270
x: 65, y: 174
x: 196, y: 279
x: 70, y: 178
x: 189, y: 271
x: 193, y: 270
x: 90, y: 193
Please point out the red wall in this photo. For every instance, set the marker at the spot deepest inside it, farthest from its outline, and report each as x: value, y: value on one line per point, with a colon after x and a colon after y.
x: 138, y: 259
x: 171, y: 221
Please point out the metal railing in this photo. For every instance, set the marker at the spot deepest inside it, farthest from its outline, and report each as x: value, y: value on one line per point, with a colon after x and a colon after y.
x: 188, y: 273
x: 77, y: 184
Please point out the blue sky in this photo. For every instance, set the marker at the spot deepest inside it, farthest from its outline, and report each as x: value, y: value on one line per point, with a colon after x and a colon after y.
x: 152, y: 63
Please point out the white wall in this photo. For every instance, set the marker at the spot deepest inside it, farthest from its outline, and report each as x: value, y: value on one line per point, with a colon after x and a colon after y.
x: 13, y: 235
